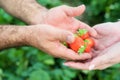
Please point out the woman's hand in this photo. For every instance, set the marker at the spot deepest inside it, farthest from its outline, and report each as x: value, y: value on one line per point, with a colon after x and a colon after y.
x: 106, y: 57
x: 107, y: 34
x: 106, y: 51
x: 49, y: 38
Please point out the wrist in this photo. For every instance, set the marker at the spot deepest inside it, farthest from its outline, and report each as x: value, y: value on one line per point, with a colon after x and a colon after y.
x: 29, y: 35
x: 22, y: 35
x: 33, y: 12
x: 11, y: 36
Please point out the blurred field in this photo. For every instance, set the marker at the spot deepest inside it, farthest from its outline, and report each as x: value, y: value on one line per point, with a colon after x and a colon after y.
x: 28, y: 63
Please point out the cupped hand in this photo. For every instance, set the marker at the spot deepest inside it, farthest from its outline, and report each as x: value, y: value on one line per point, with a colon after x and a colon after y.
x: 49, y: 38
x: 63, y: 17
x: 106, y: 51
x: 107, y: 34
x: 104, y: 59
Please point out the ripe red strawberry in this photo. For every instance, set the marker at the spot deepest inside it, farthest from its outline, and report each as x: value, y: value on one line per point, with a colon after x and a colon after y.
x: 77, y: 44
x: 89, y: 43
x: 87, y: 48
x: 83, y: 42
x: 83, y: 33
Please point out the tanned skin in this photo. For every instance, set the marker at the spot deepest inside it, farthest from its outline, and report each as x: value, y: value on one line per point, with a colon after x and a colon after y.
x: 48, y: 27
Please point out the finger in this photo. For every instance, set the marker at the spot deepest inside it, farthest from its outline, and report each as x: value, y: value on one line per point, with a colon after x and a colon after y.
x: 98, y: 62
x: 74, y: 11
x: 104, y: 66
x: 108, y: 59
x: 94, y: 53
x: 59, y: 50
x: 77, y: 65
x: 64, y: 35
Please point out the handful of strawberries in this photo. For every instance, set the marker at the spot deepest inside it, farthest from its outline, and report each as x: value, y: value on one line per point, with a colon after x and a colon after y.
x: 83, y: 42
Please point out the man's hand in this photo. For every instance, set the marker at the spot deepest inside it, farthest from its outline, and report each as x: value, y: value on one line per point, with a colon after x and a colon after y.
x: 106, y: 52
x: 49, y: 38
x: 63, y: 17
x: 32, y: 13
x: 44, y: 37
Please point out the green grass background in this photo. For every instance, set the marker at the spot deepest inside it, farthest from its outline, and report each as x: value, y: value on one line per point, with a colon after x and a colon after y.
x: 28, y: 63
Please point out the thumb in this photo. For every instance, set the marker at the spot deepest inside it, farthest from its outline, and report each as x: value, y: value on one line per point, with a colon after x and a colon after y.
x: 64, y: 36
x: 90, y: 29
x: 74, y: 11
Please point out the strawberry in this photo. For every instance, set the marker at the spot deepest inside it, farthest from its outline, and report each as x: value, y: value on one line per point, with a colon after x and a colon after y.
x: 83, y: 42
x: 87, y: 48
x: 83, y: 33
x: 77, y: 44
x: 89, y: 43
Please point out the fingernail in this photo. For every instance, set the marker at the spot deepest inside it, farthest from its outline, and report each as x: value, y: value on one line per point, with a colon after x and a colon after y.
x: 82, y: 5
x: 91, y: 67
x: 65, y: 64
x: 70, y: 38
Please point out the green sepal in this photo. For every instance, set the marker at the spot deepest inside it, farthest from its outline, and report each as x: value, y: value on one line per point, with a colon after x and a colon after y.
x: 81, y: 49
x: 81, y: 32
x: 76, y: 35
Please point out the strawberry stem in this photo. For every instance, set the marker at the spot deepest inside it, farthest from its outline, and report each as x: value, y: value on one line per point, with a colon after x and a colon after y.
x: 81, y: 49
x: 82, y: 31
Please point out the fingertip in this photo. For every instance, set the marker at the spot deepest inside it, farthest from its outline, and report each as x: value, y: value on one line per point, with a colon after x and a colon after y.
x: 93, y: 32
x: 81, y: 9
x: 76, y: 11
x: 66, y: 64
x: 64, y: 36
x: 82, y: 6
x: 91, y: 67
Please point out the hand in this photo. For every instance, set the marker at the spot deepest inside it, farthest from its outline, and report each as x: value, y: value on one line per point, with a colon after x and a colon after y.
x: 63, y: 17
x: 106, y: 57
x: 103, y: 60
x: 107, y: 34
x: 107, y: 41
x: 33, y: 13
x: 49, y: 38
